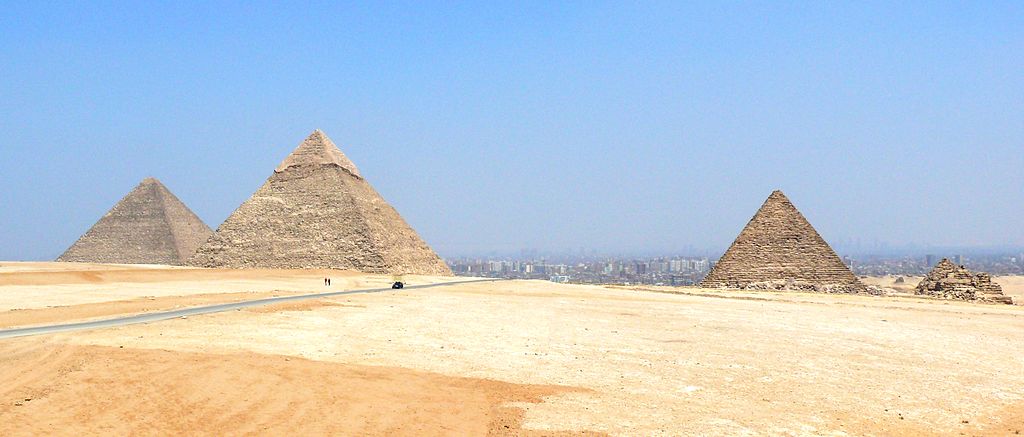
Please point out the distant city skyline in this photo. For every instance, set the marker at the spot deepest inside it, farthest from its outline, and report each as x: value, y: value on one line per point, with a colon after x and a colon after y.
x: 688, y: 270
x: 874, y: 249
x: 653, y: 128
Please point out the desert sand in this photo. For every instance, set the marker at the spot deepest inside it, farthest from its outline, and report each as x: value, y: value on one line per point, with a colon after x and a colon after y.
x: 500, y: 358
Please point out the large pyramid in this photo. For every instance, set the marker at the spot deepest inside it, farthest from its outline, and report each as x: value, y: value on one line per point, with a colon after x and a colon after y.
x: 148, y: 226
x: 317, y: 211
x: 779, y: 249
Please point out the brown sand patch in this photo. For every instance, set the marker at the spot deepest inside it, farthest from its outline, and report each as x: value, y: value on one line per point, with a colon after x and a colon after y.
x: 1011, y: 422
x: 62, y: 389
x: 52, y: 266
x: 304, y: 305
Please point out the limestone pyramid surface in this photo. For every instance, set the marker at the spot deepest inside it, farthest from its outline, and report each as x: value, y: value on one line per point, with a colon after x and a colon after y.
x: 317, y: 211
x: 950, y: 281
x: 779, y: 249
x: 150, y: 225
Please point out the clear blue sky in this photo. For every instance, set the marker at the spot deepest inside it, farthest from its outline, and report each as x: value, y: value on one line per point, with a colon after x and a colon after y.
x: 619, y: 127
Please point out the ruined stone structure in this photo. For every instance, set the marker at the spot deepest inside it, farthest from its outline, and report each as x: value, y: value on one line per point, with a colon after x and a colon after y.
x: 779, y: 249
x: 317, y: 211
x: 148, y: 226
x: 950, y: 281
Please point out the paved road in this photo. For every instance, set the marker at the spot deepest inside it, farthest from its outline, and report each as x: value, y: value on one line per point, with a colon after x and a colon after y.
x: 165, y: 315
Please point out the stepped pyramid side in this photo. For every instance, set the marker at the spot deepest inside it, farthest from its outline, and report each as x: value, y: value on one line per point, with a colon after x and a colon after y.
x: 779, y: 249
x: 950, y: 281
x: 317, y: 211
x: 150, y: 225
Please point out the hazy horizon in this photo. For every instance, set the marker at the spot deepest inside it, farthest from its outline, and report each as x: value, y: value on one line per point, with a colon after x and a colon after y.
x: 655, y: 128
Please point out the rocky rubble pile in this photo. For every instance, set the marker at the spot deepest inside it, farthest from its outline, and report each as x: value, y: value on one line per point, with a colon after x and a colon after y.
x: 780, y: 285
x: 950, y: 281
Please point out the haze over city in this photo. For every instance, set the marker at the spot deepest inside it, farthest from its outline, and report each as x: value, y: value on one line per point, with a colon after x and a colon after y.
x: 653, y: 128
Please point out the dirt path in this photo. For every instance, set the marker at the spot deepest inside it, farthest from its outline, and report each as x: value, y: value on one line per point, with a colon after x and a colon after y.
x: 90, y: 311
x: 41, y: 286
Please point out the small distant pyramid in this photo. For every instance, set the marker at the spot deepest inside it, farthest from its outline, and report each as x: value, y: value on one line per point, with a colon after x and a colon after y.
x: 779, y: 249
x: 148, y: 226
x: 317, y: 211
x: 950, y: 281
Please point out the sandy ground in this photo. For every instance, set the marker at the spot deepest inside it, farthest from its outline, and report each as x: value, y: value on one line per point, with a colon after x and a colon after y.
x: 35, y: 267
x: 70, y: 390
x: 516, y: 357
